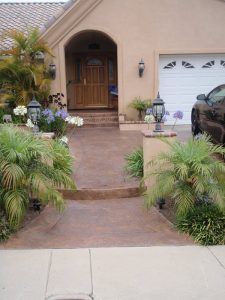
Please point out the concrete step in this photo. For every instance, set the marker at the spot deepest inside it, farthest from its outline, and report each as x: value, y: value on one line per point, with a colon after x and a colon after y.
x: 98, y: 194
x: 98, y: 118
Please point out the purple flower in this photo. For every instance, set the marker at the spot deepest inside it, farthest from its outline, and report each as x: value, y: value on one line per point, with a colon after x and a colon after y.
x: 62, y: 114
x: 178, y: 115
x: 149, y: 111
x: 167, y: 113
x: 48, y: 114
x: 164, y: 119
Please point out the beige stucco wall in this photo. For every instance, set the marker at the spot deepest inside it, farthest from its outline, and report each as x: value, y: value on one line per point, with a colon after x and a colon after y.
x: 141, y: 29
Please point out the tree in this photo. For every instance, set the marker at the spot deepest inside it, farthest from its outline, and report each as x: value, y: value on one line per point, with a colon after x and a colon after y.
x: 23, y: 70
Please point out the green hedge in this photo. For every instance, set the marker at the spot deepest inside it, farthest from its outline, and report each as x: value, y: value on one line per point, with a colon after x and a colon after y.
x: 205, y: 223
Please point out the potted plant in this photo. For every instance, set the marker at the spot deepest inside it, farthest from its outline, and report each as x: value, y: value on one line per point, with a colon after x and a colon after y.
x: 141, y: 106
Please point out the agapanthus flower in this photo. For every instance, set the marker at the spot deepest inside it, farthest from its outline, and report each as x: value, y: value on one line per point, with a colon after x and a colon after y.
x: 62, y: 114
x: 149, y: 111
x: 149, y: 118
x: 48, y: 114
x: 178, y: 115
x: 64, y: 139
x: 20, y: 110
x: 78, y: 121
x: 29, y: 123
x: 167, y: 113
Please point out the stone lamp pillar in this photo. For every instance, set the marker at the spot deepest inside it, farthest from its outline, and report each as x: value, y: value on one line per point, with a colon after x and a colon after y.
x: 152, y: 146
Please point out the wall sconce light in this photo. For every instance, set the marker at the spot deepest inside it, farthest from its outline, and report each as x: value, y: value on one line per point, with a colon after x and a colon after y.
x: 52, y: 71
x: 141, y: 67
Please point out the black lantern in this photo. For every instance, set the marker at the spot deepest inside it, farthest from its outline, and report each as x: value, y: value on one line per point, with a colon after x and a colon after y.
x: 34, y: 113
x: 52, y: 71
x: 158, y: 111
x: 141, y: 67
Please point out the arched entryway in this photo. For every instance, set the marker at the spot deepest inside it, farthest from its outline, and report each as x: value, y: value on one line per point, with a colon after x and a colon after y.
x: 91, y: 71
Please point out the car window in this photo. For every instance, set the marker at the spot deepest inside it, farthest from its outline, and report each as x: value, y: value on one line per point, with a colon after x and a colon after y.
x: 217, y: 96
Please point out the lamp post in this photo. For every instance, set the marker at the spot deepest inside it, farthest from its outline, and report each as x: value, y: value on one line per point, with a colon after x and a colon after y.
x: 34, y: 113
x: 158, y: 111
x: 141, y: 67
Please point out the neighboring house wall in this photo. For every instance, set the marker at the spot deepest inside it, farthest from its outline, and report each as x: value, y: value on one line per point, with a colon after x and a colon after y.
x: 141, y: 29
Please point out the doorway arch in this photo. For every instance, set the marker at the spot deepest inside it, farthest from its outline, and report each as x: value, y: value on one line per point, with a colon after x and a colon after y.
x: 91, y: 71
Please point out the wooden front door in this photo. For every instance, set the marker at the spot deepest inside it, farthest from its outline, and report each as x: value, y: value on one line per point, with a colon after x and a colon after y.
x: 91, y: 86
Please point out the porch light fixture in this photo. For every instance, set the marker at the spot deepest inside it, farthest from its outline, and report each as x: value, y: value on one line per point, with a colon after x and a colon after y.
x: 52, y: 71
x: 158, y: 111
x: 141, y: 67
x: 39, y: 56
x: 34, y: 113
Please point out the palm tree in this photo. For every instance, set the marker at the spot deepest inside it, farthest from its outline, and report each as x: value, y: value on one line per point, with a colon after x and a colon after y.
x: 30, y: 166
x: 22, y: 72
x: 188, y: 172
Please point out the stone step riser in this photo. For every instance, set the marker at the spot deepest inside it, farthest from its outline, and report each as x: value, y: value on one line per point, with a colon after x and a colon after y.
x: 98, y: 119
x: 98, y: 194
x: 100, y: 125
x: 94, y: 115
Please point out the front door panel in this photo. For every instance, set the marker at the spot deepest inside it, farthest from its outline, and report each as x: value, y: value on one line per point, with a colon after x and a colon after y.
x: 92, y: 90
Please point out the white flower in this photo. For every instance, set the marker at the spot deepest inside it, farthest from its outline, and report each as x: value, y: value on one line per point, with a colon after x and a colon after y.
x: 149, y: 119
x: 64, y: 139
x: 29, y: 123
x: 20, y: 110
x: 75, y: 121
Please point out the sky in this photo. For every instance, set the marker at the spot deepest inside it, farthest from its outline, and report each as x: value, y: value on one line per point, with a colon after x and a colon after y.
x: 14, y: 1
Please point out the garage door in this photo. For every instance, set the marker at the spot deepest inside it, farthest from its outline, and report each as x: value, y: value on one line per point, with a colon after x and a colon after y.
x: 183, y: 77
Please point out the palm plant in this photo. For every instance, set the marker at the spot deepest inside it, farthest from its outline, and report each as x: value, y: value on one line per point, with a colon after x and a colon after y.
x: 187, y: 173
x: 30, y: 166
x: 22, y: 72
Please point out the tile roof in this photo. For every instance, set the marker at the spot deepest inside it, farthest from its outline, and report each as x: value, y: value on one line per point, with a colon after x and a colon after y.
x: 24, y: 16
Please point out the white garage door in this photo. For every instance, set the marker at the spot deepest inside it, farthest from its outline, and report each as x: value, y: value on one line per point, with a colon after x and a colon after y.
x: 183, y: 77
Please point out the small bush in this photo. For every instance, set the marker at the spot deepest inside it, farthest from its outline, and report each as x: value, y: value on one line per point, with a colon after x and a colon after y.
x: 53, y: 121
x: 5, y: 228
x: 205, y: 223
x: 135, y: 163
x: 140, y: 105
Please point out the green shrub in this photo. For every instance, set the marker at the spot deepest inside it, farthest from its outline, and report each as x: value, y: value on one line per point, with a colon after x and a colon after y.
x: 135, y: 163
x: 186, y: 172
x: 31, y: 167
x: 5, y: 228
x: 205, y: 223
x: 53, y: 121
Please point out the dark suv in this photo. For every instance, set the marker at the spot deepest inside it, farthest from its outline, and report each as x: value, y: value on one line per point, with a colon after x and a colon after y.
x: 208, y: 114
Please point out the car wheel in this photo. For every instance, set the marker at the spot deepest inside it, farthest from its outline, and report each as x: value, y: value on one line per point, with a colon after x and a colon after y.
x: 194, y: 123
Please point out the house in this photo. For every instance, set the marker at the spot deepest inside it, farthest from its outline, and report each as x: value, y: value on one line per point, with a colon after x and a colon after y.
x: 98, y: 45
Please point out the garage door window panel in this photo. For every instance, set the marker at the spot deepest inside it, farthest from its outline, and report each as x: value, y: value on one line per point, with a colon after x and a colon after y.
x: 209, y: 64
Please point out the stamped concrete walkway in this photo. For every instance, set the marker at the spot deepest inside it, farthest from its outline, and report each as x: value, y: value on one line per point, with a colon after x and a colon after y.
x: 99, y: 154
x: 97, y: 223
x: 100, y: 223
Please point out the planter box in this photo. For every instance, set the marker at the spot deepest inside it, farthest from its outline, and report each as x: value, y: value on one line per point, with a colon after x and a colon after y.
x: 136, y: 126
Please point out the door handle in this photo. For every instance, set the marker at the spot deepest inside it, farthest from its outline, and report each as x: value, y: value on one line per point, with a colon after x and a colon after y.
x: 85, y: 82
